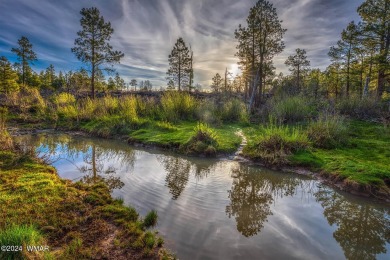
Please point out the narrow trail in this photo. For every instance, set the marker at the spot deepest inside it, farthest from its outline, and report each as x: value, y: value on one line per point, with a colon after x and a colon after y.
x: 238, y: 155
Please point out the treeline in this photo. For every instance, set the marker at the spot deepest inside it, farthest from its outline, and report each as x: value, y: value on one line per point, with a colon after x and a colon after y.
x: 360, y: 62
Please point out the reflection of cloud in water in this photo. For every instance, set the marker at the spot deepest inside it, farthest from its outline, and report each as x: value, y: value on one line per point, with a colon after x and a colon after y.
x: 252, y: 194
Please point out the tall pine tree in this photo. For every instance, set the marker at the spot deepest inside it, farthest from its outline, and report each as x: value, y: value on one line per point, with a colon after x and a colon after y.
x: 92, y: 46
x: 180, y: 62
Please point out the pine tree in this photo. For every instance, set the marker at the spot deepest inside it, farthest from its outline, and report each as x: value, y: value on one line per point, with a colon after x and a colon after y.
x: 92, y: 46
x: 376, y: 16
x: 258, y: 44
x: 298, y: 63
x: 217, y: 83
x: 344, y: 51
x: 8, y: 77
x: 180, y: 64
x: 25, y: 56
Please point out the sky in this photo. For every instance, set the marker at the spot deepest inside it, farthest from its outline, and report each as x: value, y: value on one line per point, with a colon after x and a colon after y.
x: 146, y: 30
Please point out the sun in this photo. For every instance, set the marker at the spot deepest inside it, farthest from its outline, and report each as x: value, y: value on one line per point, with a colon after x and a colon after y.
x: 234, y: 69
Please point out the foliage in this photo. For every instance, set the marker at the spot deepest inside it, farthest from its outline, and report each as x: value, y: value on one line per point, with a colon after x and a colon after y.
x: 180, y: 64
x: 177, y: 106
x: 8, y: 77
x: 328, y: 131
x: 150, y: 219
x: 25, y: 56
x: 275, y: 143
x: 20, y: 235
x: 265, y: 28
x: 92, y: 46
x: 298, y: 63
x: 292, y: 109
x: 203, y: 141
x: 360, y: 108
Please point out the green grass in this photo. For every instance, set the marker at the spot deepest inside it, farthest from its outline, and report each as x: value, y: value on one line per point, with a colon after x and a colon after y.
x: 21, y: 236
x: 150, y: 219
x: 73, y: 218
x: 182, y: 132
x: 363, y: 160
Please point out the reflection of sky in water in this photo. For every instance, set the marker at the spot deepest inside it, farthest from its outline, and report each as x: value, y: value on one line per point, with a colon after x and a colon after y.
x: 272, y: 215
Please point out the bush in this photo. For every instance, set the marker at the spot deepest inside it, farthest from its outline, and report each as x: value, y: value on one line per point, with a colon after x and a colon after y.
x: 150, y: 219
x: 128, y: 108
x: 64, y: 99
x: 360, y: 108
x: 209, y: 112
x: 234, y: 110
x: 277, y: 143
x: 292, y: 109
x: 177, y: 106
x: 29, y: 100
x: 204, y: 141
x: 328, y: 131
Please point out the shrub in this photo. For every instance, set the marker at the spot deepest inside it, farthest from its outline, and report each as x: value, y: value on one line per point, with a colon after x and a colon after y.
x: 292, y: 109
x: 276, y: 143
x: 204, y: 141
x: 30, y: 100
x: 360, y: 108
x: 177, y: 106
x: 128, y: 108
x: 234, y: 110
x: 150, y: 219
x: 209, y: 112
x: 328, y: 131
x: 64, y: 99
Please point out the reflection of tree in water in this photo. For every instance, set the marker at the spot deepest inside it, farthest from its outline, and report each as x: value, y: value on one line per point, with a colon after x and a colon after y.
x: 251, y: 195
x: 179, y: 170
x: 363, y: 230
x: 97, y: 172
x: 97, y: 157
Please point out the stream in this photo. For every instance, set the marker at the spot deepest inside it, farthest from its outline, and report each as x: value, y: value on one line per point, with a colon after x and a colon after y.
x: 224, y: 209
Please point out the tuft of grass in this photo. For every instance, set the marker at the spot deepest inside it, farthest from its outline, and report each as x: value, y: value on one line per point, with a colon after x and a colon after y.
x: 328, y: 131
x: 203, y: 141
x: 19, y: 236
x: 149, y: 239
x: 275, y: 143
x: 150, y: 219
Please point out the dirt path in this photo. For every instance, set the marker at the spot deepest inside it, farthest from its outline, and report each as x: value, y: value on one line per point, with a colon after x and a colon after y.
x: 238, y: 154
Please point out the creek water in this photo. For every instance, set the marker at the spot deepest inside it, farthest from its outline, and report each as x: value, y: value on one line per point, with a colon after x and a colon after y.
x: 222, y: 209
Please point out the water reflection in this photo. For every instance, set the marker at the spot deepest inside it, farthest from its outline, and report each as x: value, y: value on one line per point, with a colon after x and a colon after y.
x: 95, y: 171
x: 100, y: 158
x: 362, y: 230
x: 252, y: 194
x: 178, y: 171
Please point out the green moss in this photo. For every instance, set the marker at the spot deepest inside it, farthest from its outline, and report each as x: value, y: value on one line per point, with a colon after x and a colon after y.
x: 35, y: 204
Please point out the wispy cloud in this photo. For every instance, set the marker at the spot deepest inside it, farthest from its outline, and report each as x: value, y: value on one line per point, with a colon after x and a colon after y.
x: 145, y: 30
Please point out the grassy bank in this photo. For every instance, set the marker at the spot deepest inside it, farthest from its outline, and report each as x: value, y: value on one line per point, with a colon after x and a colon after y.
x: 74, y: 220
x: 360, y: 159
x: 334, y: 137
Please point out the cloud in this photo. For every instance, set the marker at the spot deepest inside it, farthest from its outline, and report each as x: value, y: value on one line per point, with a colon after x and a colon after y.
x: 147, y: 30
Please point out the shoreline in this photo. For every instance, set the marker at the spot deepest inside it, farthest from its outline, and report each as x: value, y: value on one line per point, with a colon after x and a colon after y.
x: 332, y: 180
